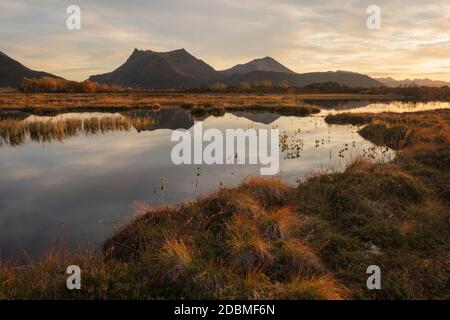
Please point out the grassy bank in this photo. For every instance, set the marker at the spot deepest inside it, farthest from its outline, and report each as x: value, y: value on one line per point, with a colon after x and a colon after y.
x: 50, y: 104
x: 53, y: 102
x: 268, y: 240
x: 205, y: 109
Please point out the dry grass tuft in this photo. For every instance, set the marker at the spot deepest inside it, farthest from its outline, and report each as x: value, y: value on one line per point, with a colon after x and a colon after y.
x: 271, y: 193
x: 178, y: 250
x: 280, y: 224
x: 313, y: 288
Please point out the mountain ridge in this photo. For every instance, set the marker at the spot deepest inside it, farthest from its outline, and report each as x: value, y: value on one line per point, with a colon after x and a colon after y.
x: 347, y: 78
x: 176, y: 69
x: 12, y: 72
x: 260, y: 64
x: 179, y: 69
x: 391, y: 82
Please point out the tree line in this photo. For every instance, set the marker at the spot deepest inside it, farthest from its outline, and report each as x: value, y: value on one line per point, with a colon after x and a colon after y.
x: 59, y: 85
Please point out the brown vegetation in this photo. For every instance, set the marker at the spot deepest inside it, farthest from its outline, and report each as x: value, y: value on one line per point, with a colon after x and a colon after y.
x: 238, y: 243
x: 410, y: 93
x: 45, y: 103
x: 52, y: 85
x: 268, y: 240
x: 15, y: 132
x: 50, y: 104
x: 220, y: 109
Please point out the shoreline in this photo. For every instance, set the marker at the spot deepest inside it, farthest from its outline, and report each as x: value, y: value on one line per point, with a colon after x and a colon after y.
x: 265, y: 239
x: 63, y: 101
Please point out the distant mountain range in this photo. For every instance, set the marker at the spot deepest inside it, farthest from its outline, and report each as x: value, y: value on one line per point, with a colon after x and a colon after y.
x: 390, y: 82
x: 179, y: 69
x: 12, y: 72
x: 349, y: 79
x: 176, y: 69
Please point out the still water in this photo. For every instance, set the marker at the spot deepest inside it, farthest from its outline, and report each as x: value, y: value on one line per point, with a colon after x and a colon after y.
x: 83, y: 186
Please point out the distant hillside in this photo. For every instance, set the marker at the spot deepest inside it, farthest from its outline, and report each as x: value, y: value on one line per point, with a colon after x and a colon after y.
x: 345, y: 78
x: 12, y: 72
x: 263, y: 64
x: 390, y: 82
x: 179, y: 69
x: 160, y: 70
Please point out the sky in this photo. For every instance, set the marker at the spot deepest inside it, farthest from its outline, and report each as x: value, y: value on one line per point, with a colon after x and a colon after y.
x: 305, y: 36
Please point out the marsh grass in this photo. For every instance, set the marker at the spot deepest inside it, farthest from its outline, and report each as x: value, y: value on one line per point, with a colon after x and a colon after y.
x: 389, y: 206
x: 265, y: 239
x: 219, y: 109
x: 15, y: 132
x: 316, y: 287
x: 400, y: 131
x: 47, y: 104
x: 51, y: 103
x: 226, y: 231
x: 215, y: 247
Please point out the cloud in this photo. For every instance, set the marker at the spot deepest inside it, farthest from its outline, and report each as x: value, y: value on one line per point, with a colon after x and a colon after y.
x: 304, y: 35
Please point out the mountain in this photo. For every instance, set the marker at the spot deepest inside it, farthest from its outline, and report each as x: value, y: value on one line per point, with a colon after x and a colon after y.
x: 346, y: 78
x: 160, y: 70
x: 262, y: 64
x: 12, y: 72
x: 187, y: 64
x: 390, y: 82
x: 179, y: 69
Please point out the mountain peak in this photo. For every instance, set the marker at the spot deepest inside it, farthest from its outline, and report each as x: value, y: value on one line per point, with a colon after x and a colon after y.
x: 182, y: 50
x: 261, y: 64
x: 136, y: 51
x: 267, y: 58
x: 177, y: 53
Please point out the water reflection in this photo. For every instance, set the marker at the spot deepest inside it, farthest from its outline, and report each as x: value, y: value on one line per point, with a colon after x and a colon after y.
x: 377, y: 106
x: 86, y: 186
x: 47, y: 129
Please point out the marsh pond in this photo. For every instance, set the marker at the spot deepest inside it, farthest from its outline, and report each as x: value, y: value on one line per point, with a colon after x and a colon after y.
x: 79, y: 176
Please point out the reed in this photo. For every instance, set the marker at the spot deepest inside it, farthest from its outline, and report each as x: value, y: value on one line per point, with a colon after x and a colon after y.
x: 16, y: 132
